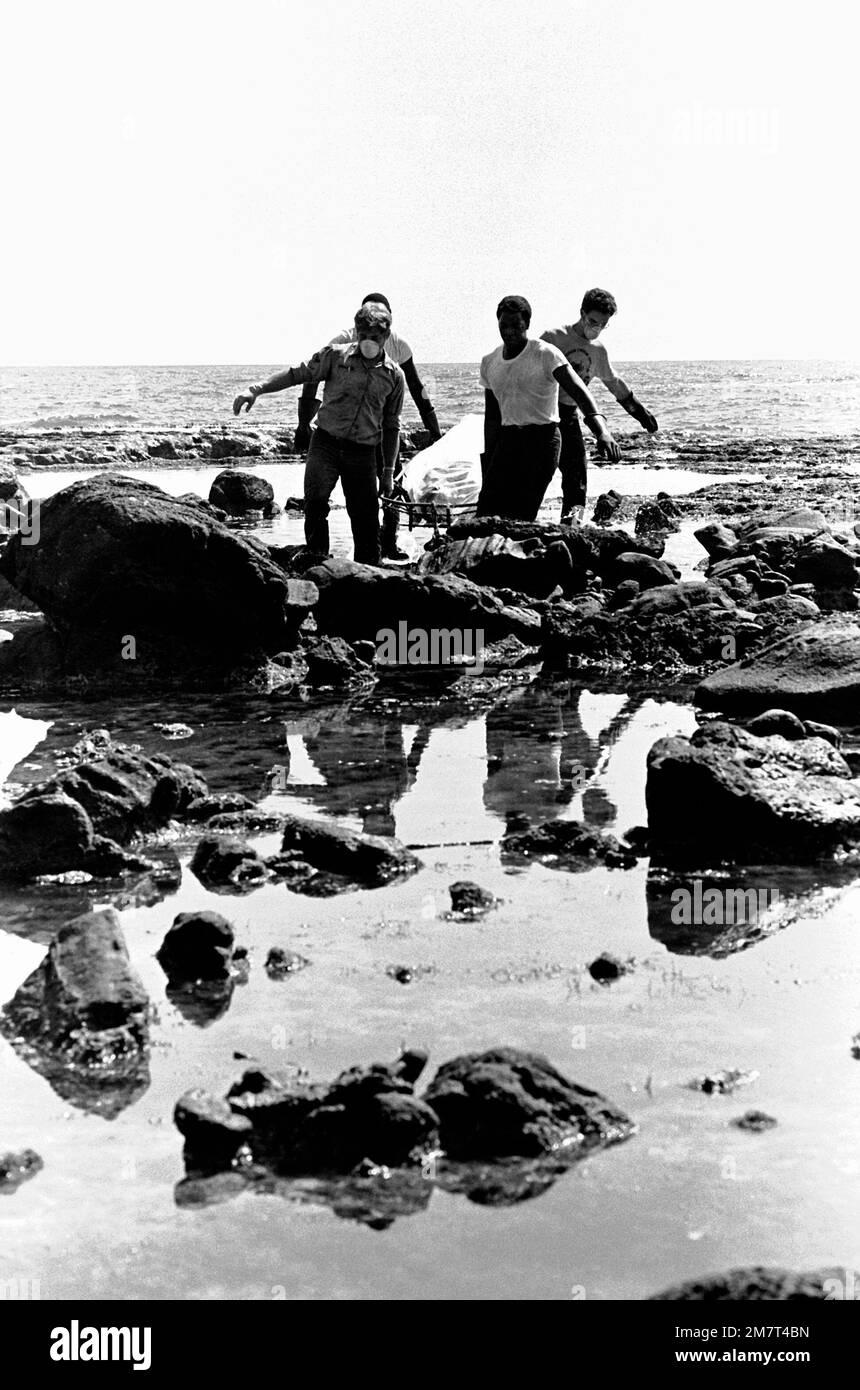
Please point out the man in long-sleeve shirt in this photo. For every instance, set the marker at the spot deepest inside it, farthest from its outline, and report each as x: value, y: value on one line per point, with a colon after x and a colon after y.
x: 362, y: 401
x: 589, y: 359
x: 400, y: 352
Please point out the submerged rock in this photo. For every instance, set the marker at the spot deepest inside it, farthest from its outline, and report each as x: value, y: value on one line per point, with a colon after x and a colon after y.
x: 567, y: 844
x: 16, y: 1168
x: 723, y: 1082
x: 756, y: 800
x: 470, y: 899
x: 281, y: 963
x: 82, y: 1017
x: 756, y: 1121
x: 755, y: 1283
x: 605, y: 968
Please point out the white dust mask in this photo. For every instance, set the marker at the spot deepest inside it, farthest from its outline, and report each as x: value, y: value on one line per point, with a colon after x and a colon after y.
x: 368, y: 348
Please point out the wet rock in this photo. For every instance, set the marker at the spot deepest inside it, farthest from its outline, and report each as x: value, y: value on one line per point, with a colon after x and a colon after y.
x: 359, y: 601
x: 410, y: 1064
x: 16, y: 1168
x: 648, y: 572
x: 238, y: 493
x: 280, y: 963
x: 504, y: 1103
x: 332, y: 661
x: 185, y: 588
x: 605, y: 968
x: 367, y: 861
x: 813, y: 729
x: 82, y: 1017
x: 227, y: 446
x: 401, y: 973
x: 190, y: 499
x: 162, y: 449
x: 199, y: 946
x: 756, y: 1121
x: 756, y: 1283
x: 203, y: 808
x: 125, y: 793
x: 814, y: 671
x: 530, y: 566
x: 723, y: 1082
x: 777, y: 721
x: 606, y: 506
x: 757, y: 800
x: 44, y: 835
x: 213, y: 1132
x: 655, y: 516
x: 568, y: 845
x: 471, y: 899
x: 718, y: 540
x: 227, y: 864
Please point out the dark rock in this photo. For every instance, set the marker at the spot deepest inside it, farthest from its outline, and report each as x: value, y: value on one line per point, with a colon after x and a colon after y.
x: 756, y: 1121
x: 17, y: 1168
x: 401, y: 973
x: 529, y: 566
x: 365, y: 860
x: 44, y: 835
x: 154, y: 569
x: 568, y: 845
x: 813, y: 729
x: 503, y: 1103
x: 213, y: 1132
x: 606, y: 506
x: 471, y: 899
x: 757, y: 800
x: 162, y: 449
x: 331, y: 661
x: 226, y: 446
x: 654, y: 516
x: 199, y: 946
x: 203, y: 808
x: 410, y: 1064
x: 359, y: 601
x: 281, y: 963
x: 718, y: 540
x: 723, y: 1082
x: 813, y: 671
x: 238, y: 493
x: 606, y: 968
x: 648, y: 572
x: 82, y: 1017
x: 757, y: 1284
x: 777, y: 721
x: 224, y: 863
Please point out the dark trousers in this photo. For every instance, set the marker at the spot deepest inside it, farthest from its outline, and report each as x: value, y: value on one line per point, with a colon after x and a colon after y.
x: 520, y: 471
x: 390, y: 515
x: 328, y: 460
x: 573, y: 464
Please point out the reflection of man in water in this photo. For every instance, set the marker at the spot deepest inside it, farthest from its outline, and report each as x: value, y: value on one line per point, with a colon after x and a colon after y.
x: 366, y: 767
x: 539, y: 756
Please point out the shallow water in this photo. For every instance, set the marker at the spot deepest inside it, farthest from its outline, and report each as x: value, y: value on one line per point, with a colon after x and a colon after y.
x: 688, y: 1194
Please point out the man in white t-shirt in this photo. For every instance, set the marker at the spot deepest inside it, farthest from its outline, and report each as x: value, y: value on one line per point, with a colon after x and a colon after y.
x: 400, y: 353
x: 521, y: 436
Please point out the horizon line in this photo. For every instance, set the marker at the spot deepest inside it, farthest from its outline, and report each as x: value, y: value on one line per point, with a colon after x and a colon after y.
x: 429, y: 362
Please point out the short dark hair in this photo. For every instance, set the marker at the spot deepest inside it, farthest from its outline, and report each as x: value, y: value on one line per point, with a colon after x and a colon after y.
x: 377, y: 299
x: 601, y: 300
x: 369, y: 316
x: 514, y: 304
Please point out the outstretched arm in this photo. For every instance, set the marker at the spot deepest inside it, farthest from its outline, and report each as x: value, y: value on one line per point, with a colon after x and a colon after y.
x: 422, y: 401
x: 623, y: 394
x: 315, y: 369
x: 576, y: 387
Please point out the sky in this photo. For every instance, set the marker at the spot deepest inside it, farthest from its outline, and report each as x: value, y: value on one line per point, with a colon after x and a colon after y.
x: 196, y: 183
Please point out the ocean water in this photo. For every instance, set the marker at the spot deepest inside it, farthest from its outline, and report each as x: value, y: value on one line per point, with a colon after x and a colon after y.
x: 719, y: 400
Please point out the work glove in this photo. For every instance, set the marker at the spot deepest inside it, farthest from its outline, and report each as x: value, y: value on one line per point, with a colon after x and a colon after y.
x: 431, y: 424
x: 307, y: 409
x: 639, y: 413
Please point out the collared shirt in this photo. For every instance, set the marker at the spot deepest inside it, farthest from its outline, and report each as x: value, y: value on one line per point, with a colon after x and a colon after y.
x: 361, y: 398
x: 524, y: 385
x: 397, y: 348
x: 588, y: 360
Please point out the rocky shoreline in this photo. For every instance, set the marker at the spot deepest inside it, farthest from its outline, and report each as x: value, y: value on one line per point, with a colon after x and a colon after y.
x: 131, y: 591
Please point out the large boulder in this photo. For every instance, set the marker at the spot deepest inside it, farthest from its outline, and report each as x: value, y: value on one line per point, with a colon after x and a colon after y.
x: 359, y: 601
x: 814, y: 670
x: 126, y: 573
x: 506, y: 1103
x: 363, y: 861
x: 529, y: 566
x: 755, y: 800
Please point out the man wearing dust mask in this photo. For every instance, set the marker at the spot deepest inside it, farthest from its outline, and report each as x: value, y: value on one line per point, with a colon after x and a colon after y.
x: 362, y: 401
